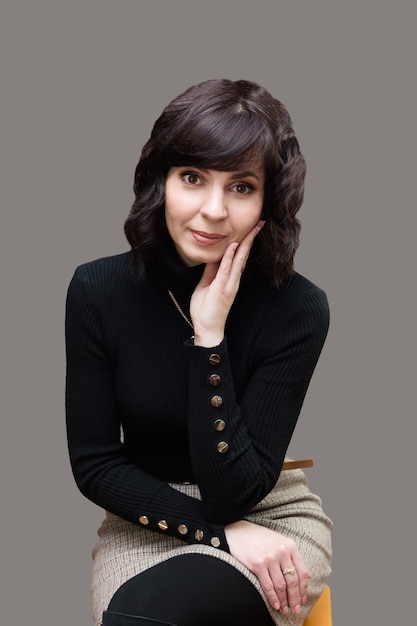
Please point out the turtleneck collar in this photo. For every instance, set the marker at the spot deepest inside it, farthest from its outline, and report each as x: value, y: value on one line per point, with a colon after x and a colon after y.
x: 170, y: 273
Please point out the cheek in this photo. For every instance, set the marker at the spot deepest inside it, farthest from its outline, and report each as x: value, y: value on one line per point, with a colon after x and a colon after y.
x: 244, y: 221
x: 177, y: 206
x: 170, y: 217
x: 172, y: 224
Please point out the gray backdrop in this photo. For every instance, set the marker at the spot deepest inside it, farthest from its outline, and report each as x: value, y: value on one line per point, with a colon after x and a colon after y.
x: 81, y: 85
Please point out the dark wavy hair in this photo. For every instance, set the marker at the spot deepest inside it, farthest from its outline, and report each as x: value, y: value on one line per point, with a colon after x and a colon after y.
x: 222, y: 125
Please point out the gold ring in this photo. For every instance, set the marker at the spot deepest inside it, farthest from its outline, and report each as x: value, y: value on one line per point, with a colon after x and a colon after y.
x: 288, y: 570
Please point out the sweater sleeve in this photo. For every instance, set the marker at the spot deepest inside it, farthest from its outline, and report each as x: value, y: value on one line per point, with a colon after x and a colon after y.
x: 101, y: 469
x: 245, y: 443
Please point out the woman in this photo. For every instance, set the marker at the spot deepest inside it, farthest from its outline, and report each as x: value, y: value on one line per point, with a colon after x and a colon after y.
x: 188, y: 362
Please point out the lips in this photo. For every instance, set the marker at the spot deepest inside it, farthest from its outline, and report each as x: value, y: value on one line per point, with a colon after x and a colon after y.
x: 207, y: 239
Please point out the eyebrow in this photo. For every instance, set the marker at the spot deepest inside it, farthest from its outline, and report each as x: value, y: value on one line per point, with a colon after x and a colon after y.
x: 237, y: 175
x: 245, y: 174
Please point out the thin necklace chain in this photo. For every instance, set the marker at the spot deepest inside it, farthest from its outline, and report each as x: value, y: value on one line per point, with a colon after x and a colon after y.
x: 179, y: 309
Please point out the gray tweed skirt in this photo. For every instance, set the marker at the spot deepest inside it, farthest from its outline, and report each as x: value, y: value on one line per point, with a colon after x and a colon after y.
x: 124, y: 550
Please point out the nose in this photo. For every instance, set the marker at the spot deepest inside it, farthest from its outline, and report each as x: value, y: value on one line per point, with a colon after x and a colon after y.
x: 213, y: 206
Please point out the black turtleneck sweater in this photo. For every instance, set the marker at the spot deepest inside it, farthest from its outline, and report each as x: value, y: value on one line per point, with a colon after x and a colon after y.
x: 132, y: 365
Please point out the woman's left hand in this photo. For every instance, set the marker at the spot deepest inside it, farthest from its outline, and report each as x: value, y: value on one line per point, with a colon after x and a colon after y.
x: 275, y: 560
x: 215, y: 293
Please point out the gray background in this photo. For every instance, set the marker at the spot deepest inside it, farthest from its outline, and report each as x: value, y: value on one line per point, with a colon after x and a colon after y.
x: 81, y: 85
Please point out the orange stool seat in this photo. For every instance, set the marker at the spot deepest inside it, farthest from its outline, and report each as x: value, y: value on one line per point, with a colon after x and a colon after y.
x: 321, y: 613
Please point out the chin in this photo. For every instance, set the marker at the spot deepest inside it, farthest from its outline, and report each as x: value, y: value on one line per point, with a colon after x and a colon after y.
x: 207, y: 258
x: 197, y: 258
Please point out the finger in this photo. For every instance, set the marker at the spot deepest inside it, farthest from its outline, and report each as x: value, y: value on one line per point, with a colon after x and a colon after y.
x: 269, y: 589
x: 293, y: 594
x: 303, y: 576
x: 242, y: 253
x: 224, y: 270
x: 280, y: 586
x: 209, y: 274
x: 253, y: 232
x: 246, y: 243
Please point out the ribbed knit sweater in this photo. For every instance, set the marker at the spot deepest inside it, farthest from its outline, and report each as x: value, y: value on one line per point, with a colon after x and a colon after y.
x: 144, y: 409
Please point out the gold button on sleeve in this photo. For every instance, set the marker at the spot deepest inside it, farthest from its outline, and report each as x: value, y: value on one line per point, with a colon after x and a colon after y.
x: 199, y: 534
x: 222, y: 447
x: 214, y: 380
x: 144, y: 520
x: 216, y: 401
x: 162, y: 524
x: 182, y: 529
x: 219, y: 425
x: 215, y: 542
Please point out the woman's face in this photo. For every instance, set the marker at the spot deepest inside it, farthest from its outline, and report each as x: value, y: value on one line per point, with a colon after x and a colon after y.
x: 206, y: 210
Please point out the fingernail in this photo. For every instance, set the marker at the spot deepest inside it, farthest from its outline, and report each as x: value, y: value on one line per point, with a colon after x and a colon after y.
x: 304, y: 599
x: 285, y: 610
x: 297, y: 609
x: 276, y: 606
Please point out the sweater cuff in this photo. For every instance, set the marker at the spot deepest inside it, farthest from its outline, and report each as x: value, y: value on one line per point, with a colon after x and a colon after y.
x: 176, y: 518
x: 189, y: 343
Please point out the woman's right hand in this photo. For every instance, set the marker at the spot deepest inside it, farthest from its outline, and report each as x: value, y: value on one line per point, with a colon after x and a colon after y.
x: 215, y: 293
x: 267, y: 554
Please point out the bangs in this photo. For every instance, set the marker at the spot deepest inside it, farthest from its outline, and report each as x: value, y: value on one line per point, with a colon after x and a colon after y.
x: 221, y: 140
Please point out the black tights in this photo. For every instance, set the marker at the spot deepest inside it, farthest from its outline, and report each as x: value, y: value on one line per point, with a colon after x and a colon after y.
x: 188, y: 590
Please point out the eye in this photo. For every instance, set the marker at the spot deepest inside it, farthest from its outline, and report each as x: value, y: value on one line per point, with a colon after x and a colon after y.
x: 242, y: 188
x: 191, y: 178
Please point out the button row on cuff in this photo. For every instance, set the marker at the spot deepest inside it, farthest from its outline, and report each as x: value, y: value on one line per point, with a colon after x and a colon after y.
x: 216, y: 402
x: 182, y: 530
